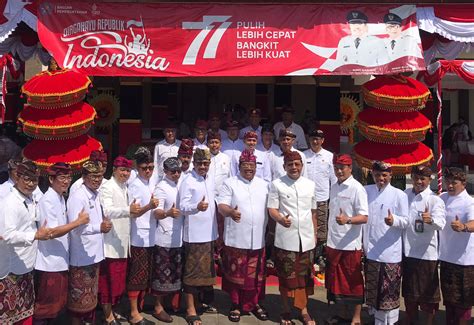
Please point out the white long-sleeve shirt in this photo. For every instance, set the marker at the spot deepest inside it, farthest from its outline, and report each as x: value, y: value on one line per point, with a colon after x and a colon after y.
x: 350, y: 197
x: 457, y: 247
x: 114, y: 200
x: 219, y: 170
x: 53, y: 254
x: 232, y: 149
x: 169, y: 231
x: 294, y: 198
x: 142, y: 229
x: 296, y: 129
x: 383, y: 243
x: 250, y: 197
x: 86, y: 244
x: 423, y: 245
x: 19, y: 214
x: 6, y: 187
x: 320, y: 169
x: 199, y: 226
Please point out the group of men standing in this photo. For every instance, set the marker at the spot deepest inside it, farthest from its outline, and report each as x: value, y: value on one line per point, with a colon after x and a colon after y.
x: 158, y: 224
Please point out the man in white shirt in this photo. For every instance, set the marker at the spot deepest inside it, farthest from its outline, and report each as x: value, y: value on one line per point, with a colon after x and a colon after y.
x: 320, y: 170
x: 263, y: 163
x: 142, y: 236
x: 200, y: 131
x: 7, y: 186
x: 114, y: 200
x: 254, y: 123
x: 86, y: 244
x: 168, y: 262
x: 168, y: 147
x: 288, y: 123
x: 286, y: 140
x: 20, y: 232
x: 242, y: 200
x: 196, y: 202
x: 232, y: 146
x: 52, y: 259
x: 427, y: 216
x: 456, y: 243
x: 185, y: 155
x: 219, y: 170
x: 291, y: 203
x: 96, y: 155
x: 388, y: 217
x: 267, y: 145
x: 215, y: 125
x: 399, y: 44
x: 348, y: 212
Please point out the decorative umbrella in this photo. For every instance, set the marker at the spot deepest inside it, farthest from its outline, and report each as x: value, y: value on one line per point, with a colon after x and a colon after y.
x: 73, y: 151
x: 61, y: 123
x: 393, y: 128
x: 395, y: 93
x: 56, y: 88
x: 401, y: 157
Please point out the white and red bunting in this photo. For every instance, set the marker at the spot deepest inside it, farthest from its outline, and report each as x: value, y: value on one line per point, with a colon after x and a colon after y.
x: 202, y: 39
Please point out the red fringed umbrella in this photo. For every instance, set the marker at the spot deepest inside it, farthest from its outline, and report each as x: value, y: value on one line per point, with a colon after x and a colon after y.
x: 401, y: 157
x: 395, y: 93
x: 393, y: 128
x: 56, y: 88
x: 72, y: 151
x: 61, y: 123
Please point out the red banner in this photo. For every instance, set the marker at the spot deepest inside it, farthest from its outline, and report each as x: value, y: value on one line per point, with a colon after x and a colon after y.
x: 171, y: 40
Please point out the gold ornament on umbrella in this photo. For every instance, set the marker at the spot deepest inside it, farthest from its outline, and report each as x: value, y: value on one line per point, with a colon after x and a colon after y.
x: 349, y: 107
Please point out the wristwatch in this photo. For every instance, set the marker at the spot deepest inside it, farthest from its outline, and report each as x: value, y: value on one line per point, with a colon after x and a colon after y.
x: 349, y: 221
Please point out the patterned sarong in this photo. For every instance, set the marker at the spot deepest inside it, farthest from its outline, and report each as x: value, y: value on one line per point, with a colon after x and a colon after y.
x: 244, y: 276
x: 139, y: 268
x: 51, y: 293
x: 420, y: 281
x: 199, y: 267
x: 83, y: 288
x: 457, y: 285
x: 17, y: 298
x: 294, y: 269
x: 344, y: 280
x: 382, y: 285
x: 167, y: 270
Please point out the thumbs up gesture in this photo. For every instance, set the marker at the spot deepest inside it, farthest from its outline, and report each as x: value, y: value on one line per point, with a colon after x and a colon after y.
x: 457, y: 225
x: 203, y: 205
x: 134, y: 208
x: 153, y: 202
x: 426, y: 216
x: 389, y: 218
x: 173, y: 212
x: 106, y: 225
x: 235, y: 214
x: 285, y: 221
x: 342, y: 218
x: 83, y: 217
x: 43, y: 233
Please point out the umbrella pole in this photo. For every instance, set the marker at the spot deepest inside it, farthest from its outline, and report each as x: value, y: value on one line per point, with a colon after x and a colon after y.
x: 439, y: 123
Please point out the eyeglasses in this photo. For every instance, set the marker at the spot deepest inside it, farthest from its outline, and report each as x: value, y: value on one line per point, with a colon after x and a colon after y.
x: 202, y: 163
x: 172, y: 172
x: 95, y: 177
x: 28, y: 180
x: 147, y: 168
x: 63, y: 178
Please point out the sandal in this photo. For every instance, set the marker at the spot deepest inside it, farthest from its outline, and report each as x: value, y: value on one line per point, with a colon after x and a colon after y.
x: 234, y: 315
x: 337, y: 320
x: 260, y: 312
x: 208, y: 309
x: 285, y: 319
x: 306, y: 319
x: 193, y: 319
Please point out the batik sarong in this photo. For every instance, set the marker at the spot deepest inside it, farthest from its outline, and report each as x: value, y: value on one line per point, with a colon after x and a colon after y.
x: 51, y: 290
x: 83, y: 288
x: 140, y: 265
x: 382, y: 285
x: 167, y: 274
x: 17, y: 298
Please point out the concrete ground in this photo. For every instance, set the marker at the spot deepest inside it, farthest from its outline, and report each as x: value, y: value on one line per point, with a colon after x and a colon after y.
x: 318, y: 308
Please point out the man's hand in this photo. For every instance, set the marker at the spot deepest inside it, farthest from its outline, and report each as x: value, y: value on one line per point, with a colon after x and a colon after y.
x: 203, y: 205
x: 83, y: 218
x: 134, y: 208
x: 457, y: 225
x: 43, y: 233
x: 426, y: 216
x: 106, y: 225
x: 285, y: 221
x: 235, y: 214
x: 389, y: 218
x: 173, y: 212
x: 342, y: 218
x: 153, y: 204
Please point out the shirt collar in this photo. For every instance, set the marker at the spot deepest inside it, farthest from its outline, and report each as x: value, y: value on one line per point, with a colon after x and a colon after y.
x: 22, y: 196
x: 169, y: 181
x: 426, y: 192
x: 245, y: 180
x: 89, y: 193
x: 197, y: 176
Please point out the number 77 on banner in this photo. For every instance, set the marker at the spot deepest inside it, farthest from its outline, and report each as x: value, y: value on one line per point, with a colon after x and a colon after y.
x: 206, y: 26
